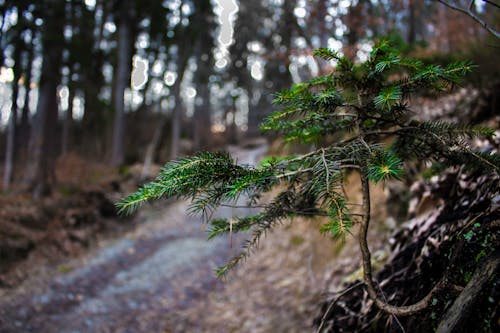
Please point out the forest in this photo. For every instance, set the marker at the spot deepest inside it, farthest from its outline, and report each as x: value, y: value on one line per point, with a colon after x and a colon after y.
x: 249, y: 166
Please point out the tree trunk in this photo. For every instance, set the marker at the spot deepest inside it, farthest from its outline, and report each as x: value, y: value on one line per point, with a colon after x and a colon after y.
x: 122, y: 82
x: 176, y: 120
x: 254, y: 115
x: 151, y: 149
x: 353, y: 21
x: 40, y: 173
x: 182, y: 60
x: 68, y: 119
x: 24, y: 128
x: 202, y: 128
x: 202, y: 119
x: 11, y: 129
x: 231, y: 128
x: 11, y: 135
x: 412, y: 23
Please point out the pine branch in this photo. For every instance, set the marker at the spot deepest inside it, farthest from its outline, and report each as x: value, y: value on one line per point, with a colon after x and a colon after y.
x: 367, y: 269
x: 350, y: 115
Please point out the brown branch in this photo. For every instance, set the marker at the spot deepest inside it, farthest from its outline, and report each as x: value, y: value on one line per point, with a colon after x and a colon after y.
x: 492, y: 3
x: 471, y: 14
x: 367, y: 268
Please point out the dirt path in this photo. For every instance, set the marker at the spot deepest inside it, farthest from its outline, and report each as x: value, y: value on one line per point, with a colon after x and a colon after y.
x: 134, y: 284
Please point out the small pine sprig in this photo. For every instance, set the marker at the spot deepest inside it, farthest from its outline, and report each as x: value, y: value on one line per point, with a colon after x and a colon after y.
x: 384, y: 165
x: 340, y: 221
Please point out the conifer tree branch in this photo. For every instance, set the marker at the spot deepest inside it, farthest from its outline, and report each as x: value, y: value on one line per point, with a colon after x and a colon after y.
x: 313, y: 182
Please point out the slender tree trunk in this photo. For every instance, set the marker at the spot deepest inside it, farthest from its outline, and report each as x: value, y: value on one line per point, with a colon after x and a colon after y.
x: 40, y: 173
x: 202, y: 128
x: 122, y: 82
x: 412, y: 23
x: 202, y: 119
x: 177, y: 112
x: 11, y: 129
x: 231, y: 128
x: 25, y: 115
x: 151, y: 149
x: 254, y: 115
x: 11, y: 135
x: 353, y: 21
x: 104, y: 6
x: 68, y: 119
x: 176, y: 120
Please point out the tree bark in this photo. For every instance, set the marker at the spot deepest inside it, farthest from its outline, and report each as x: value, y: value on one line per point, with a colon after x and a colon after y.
x: 353, y: 21
x: 485, y: 274
x: 40, y: 173
x: 11, y: 135
x: 151, y: 149
x: 11, y: 129
x: 24, y: 128
x: 202, y: 120
x: 68, y: 119
x: 182, y: 60
x: 121, y: 83
x: 176, y: 119
x: 202, y: 111
x: 412, y: 23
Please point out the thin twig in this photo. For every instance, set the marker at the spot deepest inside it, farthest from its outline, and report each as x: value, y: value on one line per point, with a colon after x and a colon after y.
x: 332, y: 304
x: 471, y: 14
x: 393, y: 316
x: 492, y: 3
x: 326, y: 171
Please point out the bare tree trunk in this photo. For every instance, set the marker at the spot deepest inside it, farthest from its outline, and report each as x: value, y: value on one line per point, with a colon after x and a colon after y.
x: 68, y: 119
x: 177, y: 112
x: 122, y: 81
x: 24, y: 129
x: 202, y: 119
x: 412, y: 23
x: 176, y: 120
x: 254, y: 115
x: 202, y: 124
x: 151, y: 149
x: 11, y: 134
x: 202, y: 128
x: 11, y: 129
x: 353, y: 21
x: 231, y: 128
x: 40, y: 173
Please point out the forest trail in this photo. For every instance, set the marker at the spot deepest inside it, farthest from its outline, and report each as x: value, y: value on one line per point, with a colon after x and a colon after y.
x: 135, y: 283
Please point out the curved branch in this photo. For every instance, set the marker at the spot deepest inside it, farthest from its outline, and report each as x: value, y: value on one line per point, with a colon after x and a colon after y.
x: 471, y: 14
x: 367, y: 268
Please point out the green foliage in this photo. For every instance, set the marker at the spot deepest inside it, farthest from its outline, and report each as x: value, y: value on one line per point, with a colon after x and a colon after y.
x: 384, y: 165
x: 359, y: 118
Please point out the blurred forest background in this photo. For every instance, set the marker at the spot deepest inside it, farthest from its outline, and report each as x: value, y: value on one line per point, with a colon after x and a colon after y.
x: 129, y: 81
x: 96, y: 94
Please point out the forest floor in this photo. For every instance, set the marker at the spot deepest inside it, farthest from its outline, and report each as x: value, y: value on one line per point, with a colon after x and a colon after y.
x: 159, y: 277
